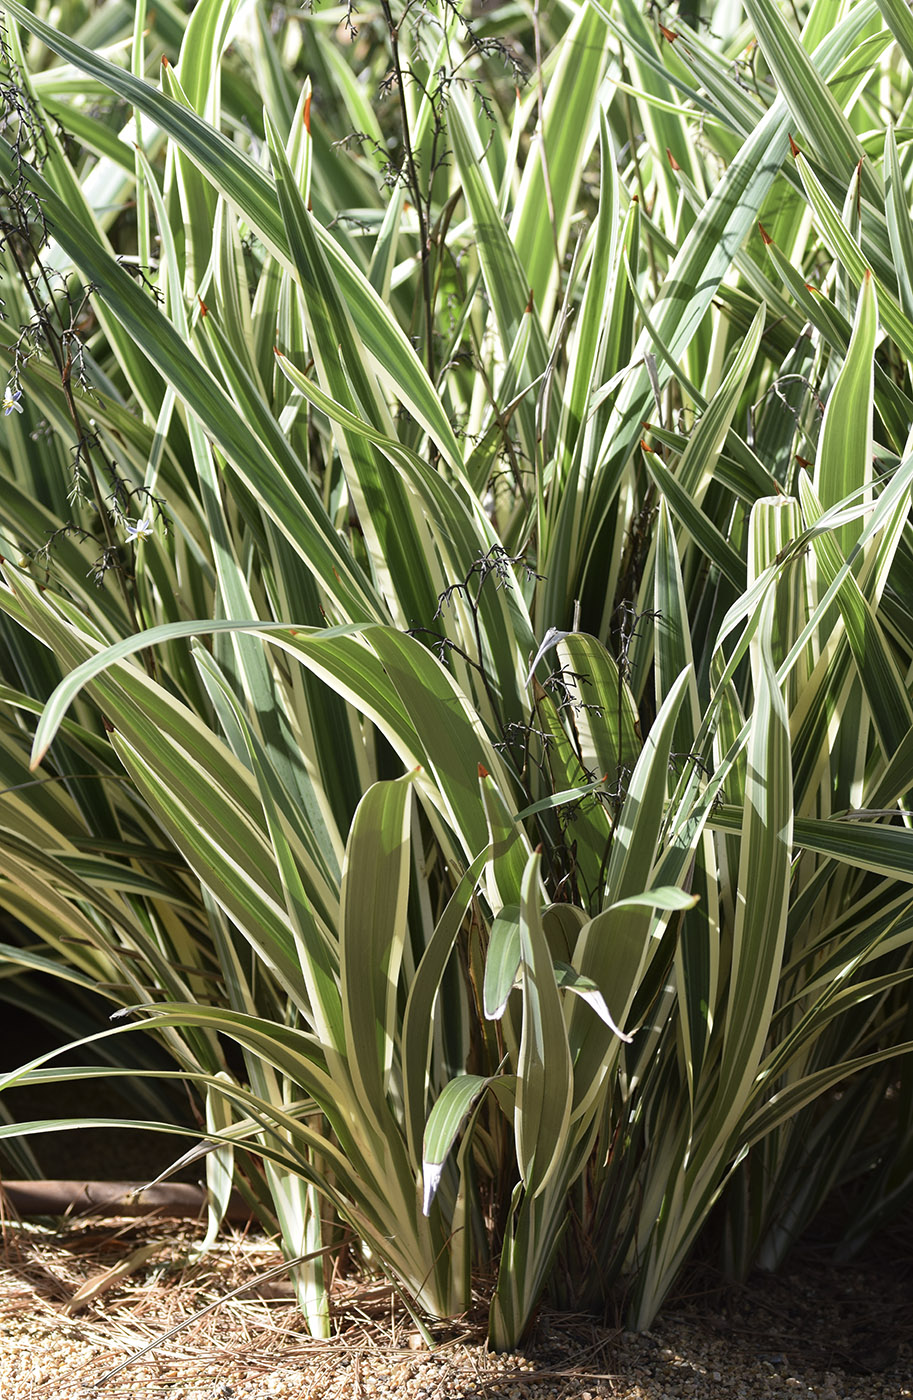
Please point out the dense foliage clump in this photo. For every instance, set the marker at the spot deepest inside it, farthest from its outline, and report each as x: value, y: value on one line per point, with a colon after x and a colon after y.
x: 455, y: 615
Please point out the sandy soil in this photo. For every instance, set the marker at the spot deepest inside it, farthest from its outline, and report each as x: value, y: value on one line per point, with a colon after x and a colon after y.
x: 79, y: 1299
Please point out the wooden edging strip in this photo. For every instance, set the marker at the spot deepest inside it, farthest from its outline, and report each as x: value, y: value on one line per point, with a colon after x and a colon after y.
x: 123, y: 1198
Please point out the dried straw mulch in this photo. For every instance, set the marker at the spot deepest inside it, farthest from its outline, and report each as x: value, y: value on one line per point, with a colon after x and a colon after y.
x: 79, y: 1300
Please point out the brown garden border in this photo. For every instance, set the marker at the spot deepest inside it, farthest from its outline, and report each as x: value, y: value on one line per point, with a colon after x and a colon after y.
x: 127, y: 1199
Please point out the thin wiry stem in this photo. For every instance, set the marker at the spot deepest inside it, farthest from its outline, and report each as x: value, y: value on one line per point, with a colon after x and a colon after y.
x: 412, y: 181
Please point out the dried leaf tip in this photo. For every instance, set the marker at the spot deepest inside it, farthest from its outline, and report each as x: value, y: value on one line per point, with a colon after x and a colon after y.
x: 204, y: 309
x: 793, y: 147
x: 165, y: 63
x: 647, y: 448
x: 765, y: 235
x: 307, y: 114
x: 109, y: 727
x: 483, y: 772
x: 672, y: 161
x: 529, y: 304
x: 668, y: 34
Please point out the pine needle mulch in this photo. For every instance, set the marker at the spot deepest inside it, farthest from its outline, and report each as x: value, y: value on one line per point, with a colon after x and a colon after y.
x: 81, y: 1298
x: 78, y: 1301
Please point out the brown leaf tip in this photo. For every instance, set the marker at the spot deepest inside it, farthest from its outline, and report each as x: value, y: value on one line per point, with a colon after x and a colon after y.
x: 307, y: 114
x: 668, y: 34
x: 165, y: 63
x: 765, y: 235
x: 672, y: 161
x: 483, y: 772
x: 109, y: 727
x: 204, y: 309
x: 793, y: 147
x: 647, y: 448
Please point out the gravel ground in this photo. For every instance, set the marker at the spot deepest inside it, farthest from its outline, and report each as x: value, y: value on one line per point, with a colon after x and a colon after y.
x: 77, y: 1302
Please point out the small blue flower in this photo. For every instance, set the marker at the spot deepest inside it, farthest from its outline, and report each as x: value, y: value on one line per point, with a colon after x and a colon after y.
x: 140, y: 529
x: 11, y: 401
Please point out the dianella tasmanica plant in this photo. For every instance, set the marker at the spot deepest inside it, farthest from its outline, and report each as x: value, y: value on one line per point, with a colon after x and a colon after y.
x: 455, y: 616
